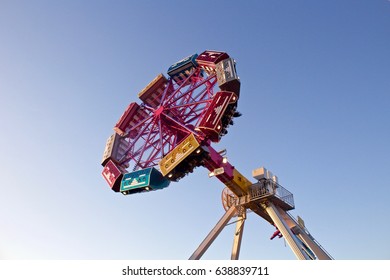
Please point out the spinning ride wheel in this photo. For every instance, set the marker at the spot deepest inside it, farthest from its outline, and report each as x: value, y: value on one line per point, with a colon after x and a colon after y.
x: 199, y: 99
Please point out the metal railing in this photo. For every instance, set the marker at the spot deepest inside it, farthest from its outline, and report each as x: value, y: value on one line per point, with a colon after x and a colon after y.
x: 284, y: 195
x: 269, y: 189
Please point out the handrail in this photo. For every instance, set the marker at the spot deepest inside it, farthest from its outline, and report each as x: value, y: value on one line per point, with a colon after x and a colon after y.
x: 268, y: 188
x: 311, y: 236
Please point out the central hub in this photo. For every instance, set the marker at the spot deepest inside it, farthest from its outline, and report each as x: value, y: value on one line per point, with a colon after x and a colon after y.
x: 159, y: 111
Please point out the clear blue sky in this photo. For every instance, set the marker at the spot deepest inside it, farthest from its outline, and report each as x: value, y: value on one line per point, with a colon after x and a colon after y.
x: 315, y: 99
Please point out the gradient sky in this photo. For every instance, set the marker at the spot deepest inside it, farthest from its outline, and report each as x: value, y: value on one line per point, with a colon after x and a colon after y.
x: 315, y: 99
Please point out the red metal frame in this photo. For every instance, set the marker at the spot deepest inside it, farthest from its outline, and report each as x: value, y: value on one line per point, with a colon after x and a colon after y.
x: 160, y: 128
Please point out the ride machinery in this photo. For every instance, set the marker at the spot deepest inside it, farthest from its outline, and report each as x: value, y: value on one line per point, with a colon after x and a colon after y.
x: 169, y: 133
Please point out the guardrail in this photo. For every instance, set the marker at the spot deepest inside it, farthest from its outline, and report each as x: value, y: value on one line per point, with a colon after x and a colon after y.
x: 268, y: 189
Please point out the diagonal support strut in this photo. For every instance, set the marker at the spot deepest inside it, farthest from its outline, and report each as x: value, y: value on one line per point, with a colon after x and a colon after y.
x: 213, y: 234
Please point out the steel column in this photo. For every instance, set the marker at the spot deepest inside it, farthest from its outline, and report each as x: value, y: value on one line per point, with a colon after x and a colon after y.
x: 320, y: 252
x: 238, y: 234
x: 277, y: 218
x: 213, y: 234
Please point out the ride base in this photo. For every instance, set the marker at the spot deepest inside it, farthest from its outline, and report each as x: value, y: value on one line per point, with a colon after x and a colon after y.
x: 270, y: 201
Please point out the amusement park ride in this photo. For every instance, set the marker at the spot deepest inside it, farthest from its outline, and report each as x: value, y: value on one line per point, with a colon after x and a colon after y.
x: 170, y: 132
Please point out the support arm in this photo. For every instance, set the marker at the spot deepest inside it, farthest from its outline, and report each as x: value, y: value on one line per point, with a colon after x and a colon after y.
x: 213, y: 234
x: 238, y: 234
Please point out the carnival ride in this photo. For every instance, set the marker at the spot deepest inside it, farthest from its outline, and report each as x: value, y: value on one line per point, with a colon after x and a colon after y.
x: 170, y: 132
